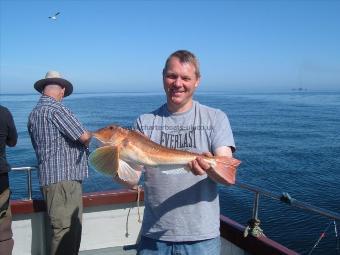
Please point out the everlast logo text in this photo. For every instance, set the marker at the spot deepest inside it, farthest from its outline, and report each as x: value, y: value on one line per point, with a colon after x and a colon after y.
x: 179, y: 141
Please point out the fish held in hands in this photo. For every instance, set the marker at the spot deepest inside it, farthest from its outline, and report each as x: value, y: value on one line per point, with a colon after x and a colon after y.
x: 123, y: 151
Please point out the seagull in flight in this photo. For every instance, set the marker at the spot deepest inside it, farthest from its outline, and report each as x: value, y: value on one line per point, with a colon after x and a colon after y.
x: 54, y: 17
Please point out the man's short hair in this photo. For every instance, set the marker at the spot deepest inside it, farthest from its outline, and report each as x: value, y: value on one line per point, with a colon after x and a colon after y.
x: 184, y: 56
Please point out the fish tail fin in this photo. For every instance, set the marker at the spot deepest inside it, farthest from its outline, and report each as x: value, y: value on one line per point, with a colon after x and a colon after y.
x: 225, y: 169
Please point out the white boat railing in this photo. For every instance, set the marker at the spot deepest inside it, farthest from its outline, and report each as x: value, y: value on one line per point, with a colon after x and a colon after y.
x: 253, y: 227
x: 284, y: 197
x: 28, y: 170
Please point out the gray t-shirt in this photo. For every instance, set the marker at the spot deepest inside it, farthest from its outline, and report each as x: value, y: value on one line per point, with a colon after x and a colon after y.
x: 182, y: 206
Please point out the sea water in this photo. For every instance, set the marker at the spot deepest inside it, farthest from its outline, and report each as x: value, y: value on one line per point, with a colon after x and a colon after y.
x: 287, y: 142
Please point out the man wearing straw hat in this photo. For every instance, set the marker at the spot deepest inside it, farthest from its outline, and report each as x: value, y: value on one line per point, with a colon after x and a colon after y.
x: 60, y: 142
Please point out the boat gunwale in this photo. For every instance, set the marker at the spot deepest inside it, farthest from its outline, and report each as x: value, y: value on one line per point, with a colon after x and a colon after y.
x: 234, y: 232
x: 230, y: 230
x: 90, y: 199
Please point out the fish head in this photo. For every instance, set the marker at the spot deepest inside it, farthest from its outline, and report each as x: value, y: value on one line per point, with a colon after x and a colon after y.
x: 110, y: 135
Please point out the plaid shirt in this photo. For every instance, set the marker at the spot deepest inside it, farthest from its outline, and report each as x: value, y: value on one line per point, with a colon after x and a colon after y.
x: 54, y: 132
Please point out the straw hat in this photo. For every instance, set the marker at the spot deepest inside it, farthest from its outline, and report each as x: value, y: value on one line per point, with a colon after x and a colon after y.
x: 54, y: 77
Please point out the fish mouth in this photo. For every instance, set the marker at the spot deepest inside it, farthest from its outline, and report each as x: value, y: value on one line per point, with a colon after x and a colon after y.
x: 96, y: 138
x: 96, y: 143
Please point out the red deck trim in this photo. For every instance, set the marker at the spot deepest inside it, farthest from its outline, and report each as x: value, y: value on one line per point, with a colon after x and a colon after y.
x: 111, y: 197
x: 27, y: 206
x: 233, y: 232
x: 89, y: 199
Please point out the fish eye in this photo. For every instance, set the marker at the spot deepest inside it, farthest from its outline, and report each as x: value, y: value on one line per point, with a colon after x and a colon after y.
x: 111, y: 127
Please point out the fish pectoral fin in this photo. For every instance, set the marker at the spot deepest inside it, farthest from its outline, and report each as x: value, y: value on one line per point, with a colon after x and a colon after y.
x: 105, y: 160
x: 128, y: 173
x: 135, y: 166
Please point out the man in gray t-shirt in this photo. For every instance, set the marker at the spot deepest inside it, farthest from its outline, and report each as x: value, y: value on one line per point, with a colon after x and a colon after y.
x: 182, y: 208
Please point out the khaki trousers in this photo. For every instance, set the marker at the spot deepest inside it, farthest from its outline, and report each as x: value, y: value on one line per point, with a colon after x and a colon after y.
x: 6, y: 241
x: 64, y: 208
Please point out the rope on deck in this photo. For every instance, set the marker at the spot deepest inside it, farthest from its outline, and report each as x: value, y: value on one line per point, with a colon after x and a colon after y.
x: 139, y: 189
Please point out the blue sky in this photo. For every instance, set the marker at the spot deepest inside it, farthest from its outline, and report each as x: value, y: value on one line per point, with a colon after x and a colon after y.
x: 122, y: 45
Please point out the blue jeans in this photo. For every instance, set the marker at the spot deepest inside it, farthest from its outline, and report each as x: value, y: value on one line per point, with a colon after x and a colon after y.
x: 148, y: 246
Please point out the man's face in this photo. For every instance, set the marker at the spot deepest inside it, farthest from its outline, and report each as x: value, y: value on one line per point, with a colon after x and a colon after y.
x: 180, y: 83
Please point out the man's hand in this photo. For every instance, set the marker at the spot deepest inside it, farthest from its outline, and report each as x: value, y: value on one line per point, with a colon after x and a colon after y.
x: 86, y: 138
x: 199, y: 166
x: 225, y: 170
